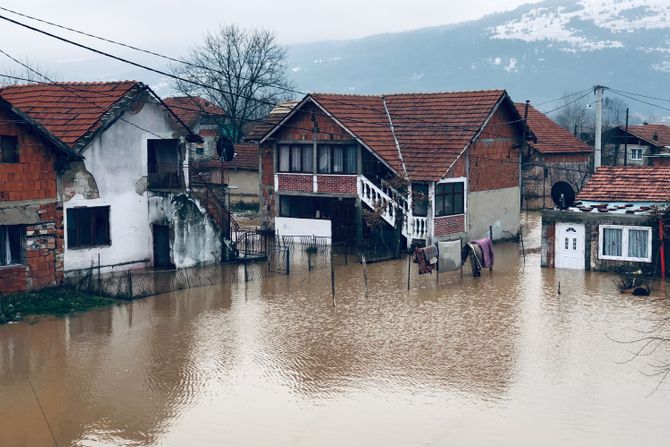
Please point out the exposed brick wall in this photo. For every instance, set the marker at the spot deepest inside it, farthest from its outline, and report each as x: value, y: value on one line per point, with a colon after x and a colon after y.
x: 337, y: 184
x: 299, y: 128
x: 43, y: 256
x: 34, y: 177
x: 296, y: 182
x: 447, y: 225
x: 267, y: 192
x: 494, y: 160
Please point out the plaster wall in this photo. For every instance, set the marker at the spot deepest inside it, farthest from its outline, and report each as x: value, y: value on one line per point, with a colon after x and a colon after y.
x: 117, y: 160
x: 496, y: 207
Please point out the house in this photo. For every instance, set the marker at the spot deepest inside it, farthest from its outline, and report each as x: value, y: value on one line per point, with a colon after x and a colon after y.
x: 32, y: 161
x: 613, y: 225
x: 556, y: 156
x: 204, y: 118
x: 642, y: 145
x: 332, y: 157
x: 126, y: 200
x: 238, y: 176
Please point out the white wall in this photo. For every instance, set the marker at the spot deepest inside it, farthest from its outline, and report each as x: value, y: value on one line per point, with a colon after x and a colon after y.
x: 117, y: 159
x: 499, y: 208
x: 289, y: 226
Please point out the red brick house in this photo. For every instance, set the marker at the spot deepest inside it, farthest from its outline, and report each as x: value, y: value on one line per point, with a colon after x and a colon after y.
x: 555, y: 156
x: 641, y: 145
x: 332, y: 156
x: 32, y: 161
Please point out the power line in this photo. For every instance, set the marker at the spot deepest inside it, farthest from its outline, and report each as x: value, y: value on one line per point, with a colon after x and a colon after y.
x: 640, y: 95
x: 617, y: 92
x: 568, y: 103
x: 195, y: 82
x: 557, y: 99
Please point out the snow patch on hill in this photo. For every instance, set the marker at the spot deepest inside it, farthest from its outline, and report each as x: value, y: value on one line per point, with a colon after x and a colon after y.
x: 561, y: 24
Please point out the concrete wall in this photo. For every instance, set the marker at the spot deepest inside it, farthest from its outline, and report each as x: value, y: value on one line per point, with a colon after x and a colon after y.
x: 592, y: 222
x: 496, y: 207
x: 117, y: 160
x: 288, y: 226
x: 247, y: 183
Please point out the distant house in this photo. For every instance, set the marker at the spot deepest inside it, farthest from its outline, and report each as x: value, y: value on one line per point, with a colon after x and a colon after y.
x: 555, y: 156
x: 32, y: 161
x: 204, y: 118
x: 646, y: 144
x: 614, y: 223
x: 125, y: 199
x: 331, y: 157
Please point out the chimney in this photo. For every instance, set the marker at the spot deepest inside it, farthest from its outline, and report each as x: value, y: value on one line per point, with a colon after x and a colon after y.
x: 655, y: 136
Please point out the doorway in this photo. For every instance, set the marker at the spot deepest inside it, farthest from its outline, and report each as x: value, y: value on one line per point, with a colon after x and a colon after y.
x: 569, y: 245
x: 161, y: 240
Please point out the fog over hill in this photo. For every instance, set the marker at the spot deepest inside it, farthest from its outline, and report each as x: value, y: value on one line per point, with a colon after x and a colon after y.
x: 537, y: 52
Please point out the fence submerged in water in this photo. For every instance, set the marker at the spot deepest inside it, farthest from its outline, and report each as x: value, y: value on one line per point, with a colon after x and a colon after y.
x: 259, y: 257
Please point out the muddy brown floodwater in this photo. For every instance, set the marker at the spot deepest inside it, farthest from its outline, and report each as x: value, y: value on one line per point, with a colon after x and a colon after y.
x: 496, y: 360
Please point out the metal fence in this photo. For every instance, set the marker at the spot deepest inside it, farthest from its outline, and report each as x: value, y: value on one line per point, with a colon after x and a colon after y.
x: 281, y: 256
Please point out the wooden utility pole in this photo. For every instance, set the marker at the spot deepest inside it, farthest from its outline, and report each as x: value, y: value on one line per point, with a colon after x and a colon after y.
x: 625, y: 144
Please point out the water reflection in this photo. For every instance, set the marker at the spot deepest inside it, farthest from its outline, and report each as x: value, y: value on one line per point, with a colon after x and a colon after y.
x: 501, y: 359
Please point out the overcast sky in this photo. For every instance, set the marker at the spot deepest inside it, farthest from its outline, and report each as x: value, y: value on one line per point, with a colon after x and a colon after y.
x: 175, y: 25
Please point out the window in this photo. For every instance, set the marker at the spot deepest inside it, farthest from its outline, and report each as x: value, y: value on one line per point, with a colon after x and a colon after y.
x: 295, y: 158
x: 298, y: 207
x: 88, y: 227
x: 11, y: 244
x: 9, y: 149
x: 337, y: 159
x: 449, y: 199
x: 419, y: 199
x: 636, y: 154
x: 625, y: 243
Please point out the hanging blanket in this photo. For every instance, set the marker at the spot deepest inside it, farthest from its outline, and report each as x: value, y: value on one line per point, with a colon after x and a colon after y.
x: 487, y: 251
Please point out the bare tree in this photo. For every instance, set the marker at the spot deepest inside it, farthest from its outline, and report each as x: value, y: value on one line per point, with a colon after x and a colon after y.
x: 30, y: 73
x: 578, y: 116
x: 243, y: 72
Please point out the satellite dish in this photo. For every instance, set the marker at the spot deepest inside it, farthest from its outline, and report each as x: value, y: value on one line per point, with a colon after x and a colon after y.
x: 225, y: 148
x: 563, y: 195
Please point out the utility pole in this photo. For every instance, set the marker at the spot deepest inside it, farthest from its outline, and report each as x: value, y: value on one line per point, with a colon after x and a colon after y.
x: 625, y: 144
x: 597, y: 156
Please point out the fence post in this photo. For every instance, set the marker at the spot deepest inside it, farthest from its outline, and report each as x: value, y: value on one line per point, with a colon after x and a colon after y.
x: 332, y: 274
x: 130, y: 285
x: 365, y: 274
x: 99, y: 280
x: 288, y: 265
x: 409, y: 268
x: 491, y: 237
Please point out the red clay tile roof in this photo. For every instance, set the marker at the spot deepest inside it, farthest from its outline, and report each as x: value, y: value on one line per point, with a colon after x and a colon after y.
x: 190, y: 109
x: 431, y: 128
x: 256, y: 130
x: 647, y: 132
x: 246, y: 157
x: 68, y: 110
x: 628, y: 184
x: 551, y: 138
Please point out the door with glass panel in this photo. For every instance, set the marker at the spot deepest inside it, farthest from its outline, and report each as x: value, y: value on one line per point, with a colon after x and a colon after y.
x: 569, y: 246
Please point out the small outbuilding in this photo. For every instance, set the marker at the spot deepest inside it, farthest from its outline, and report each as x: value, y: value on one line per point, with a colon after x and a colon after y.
x: 614, y: 223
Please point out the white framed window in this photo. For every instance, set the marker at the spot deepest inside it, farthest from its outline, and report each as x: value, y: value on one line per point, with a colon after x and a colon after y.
x: 636, y: 153
x: 624, y: 243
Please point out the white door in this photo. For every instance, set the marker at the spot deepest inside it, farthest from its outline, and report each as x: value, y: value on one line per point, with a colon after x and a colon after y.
x: 569, y: 246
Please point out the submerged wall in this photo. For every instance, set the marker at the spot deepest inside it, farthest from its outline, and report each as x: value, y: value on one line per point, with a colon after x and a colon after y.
x: 498, y: 208
x: 194, y: 238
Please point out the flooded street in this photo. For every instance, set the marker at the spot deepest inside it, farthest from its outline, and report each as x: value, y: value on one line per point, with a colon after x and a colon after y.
x: 498, y: 360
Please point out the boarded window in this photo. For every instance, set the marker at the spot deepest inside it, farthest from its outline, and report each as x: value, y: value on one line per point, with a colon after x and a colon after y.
x: 88, y: 227
x: 12, y: 241
x: 9, y: 149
